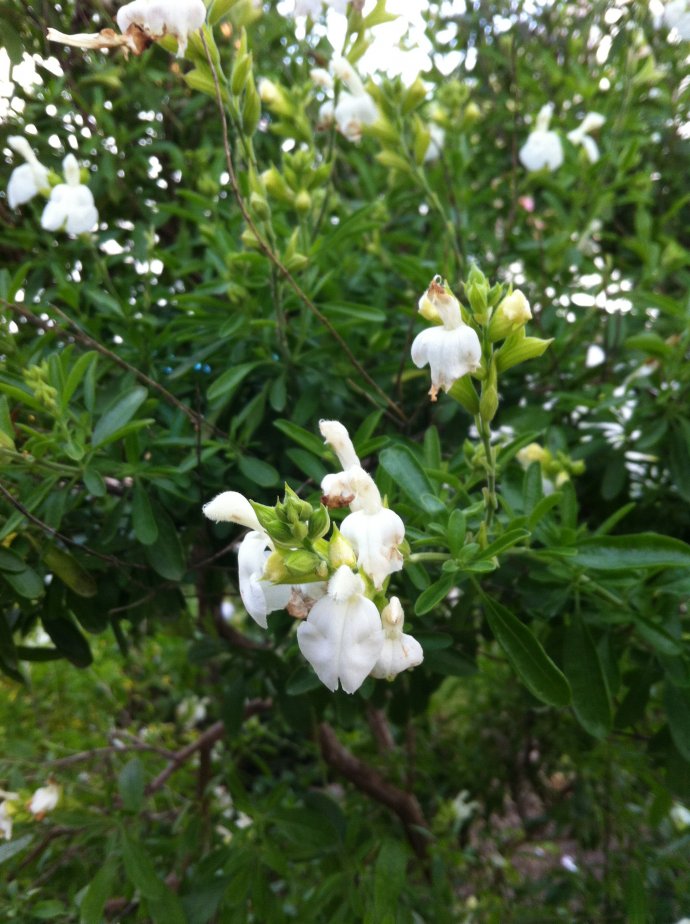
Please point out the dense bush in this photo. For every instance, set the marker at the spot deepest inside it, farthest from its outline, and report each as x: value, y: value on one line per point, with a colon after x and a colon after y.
x: 263, y: 241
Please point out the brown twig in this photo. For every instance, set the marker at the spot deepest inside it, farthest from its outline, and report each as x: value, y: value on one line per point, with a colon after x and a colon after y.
x: 273, y: 257
x: 206, y: 740
x: 371, y: 782
x: 111, y: 559
x: 95, y: 753
x: 32, y: 855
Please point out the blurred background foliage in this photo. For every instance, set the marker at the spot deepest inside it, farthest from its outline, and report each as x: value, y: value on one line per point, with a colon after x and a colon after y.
x: 164, y: 359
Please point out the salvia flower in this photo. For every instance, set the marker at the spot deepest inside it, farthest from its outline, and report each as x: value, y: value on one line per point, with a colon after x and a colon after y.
x: 580, y: 135
x: 374, y: 532
x: 71, y: 207
x: 543, y: 149
x: 44, y: 800
x: 29, y: 179
x: 342, y: 637
x: 142, y: 22
x: 451, y: 350
x: 260, y: 597
x: 400, y: 651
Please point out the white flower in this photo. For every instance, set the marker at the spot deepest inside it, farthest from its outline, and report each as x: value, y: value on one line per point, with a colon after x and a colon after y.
x: 44, y: 800
x: 580, y: 135
x: 400, y: 652
x: 451, y: 350
x: 27, y: 180
x: 157, y: 18
x: 71, y: 206
x: 342, y: 637
x: 355, y: 108
x: 543, y: 149
x: 680, y: 816
x: 260, y: 597
x: 5, y: 821
x: 373, y: 531
x: 677, y: 16
x: 438, y: 137
x: 321, y: 78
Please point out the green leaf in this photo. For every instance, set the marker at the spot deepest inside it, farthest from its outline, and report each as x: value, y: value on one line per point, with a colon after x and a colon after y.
x: 529, y: 660
x: 76, y: 374
x: 227, y: 383
x: 166, y: 555
x: 143, y: 520
x: 69, y: 641
x: 26, y: 583
x: 258, y: 471
x: 301, y: 436
x: 429, y: 598
x: 164, y: 905
x: 131, y: 785
x: 96, y: 895
x: 506, y: 541
x: 464, y: 392
x: 118, y: 415
x: 628, y: 553
x: 591, y: 697
x: 457, y: 527
x: 12, y: 848
x: 409, y: 475
x: 70, y: 572
x: 10, y: 561
x: 389, y: 879
x: 677, y: 703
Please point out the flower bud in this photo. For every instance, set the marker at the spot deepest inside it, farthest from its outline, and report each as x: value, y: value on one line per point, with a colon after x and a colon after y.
x: 477, y: 291
x: 488, y: 403
x: 534, y: 453
x: 303, y: 201
x: 275, y: 570
x: 340, y: 552
x: 301, y: 563
x: 512, y: 313
x: 472, y: 113
x: 259, y: 206
x: 319, y: 522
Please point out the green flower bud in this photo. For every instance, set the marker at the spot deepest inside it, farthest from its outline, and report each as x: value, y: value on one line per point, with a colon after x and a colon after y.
x: 302, y: 201
x: 512, y: 314
x: 340, y: 552
x: 301, y: 563
x: 488, y: 403
x: 259, y: 206
x: 319, y: 522
x: 275, y: 570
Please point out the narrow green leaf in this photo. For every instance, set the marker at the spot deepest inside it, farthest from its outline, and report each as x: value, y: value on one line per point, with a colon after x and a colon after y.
x: 26, y: 583
x: 258, y: 471
x: 433, y: 595
x: 131, y: 785
x: 69, y: 641
x: 143, y: 520
x: 70, y: 572
x: 529, y: 660
x: 118, y: 415
x: 10, y: 561
x: 457, y: 527
x: 591, y: 697
x: 12, y: 848
x: 677, y: 703
x: 96, y: 895
x: 532, y: 488
x: 408, y: 474
x: 627, y: 553
x: 303, y: 437
x: 76, y: 374
x: 166, y: 555
x: 508, y: 539
x: 225, y: 385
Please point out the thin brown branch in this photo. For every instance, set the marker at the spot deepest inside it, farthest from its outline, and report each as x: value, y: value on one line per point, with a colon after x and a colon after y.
x: 273, y: 257
x: 371, y: 782
x: 206, y: 740
x: 95, y: 753
x: 75, y: 332
x: 111, y: 559
x: 53, y: 834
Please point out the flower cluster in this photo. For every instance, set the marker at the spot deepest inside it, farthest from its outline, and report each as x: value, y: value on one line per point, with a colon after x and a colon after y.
x: 543, y: 149
x: 556, y: 470
x: 70, y: 205
x: 44, y: 800
x: 142, y: 22
x: 349, y: 630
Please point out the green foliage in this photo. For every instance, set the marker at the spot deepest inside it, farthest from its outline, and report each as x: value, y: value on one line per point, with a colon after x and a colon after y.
x: 191, y: 344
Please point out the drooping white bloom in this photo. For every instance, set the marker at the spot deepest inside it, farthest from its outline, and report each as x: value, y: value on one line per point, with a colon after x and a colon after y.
x: 232, y: 507
x: 260, y: 597
x: 400, y: 652
x: 374, y: 532
x: 44, y: 800
x: 5, y: 821
x: 438, y: 137
x: 157, y: 18
x: 543, y: 148
x: 677, y: 16
x: 71, y: 206
x: 580, y: 135
x: 342, y: 637
x: 29, y: 179
x: 451, y: 350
